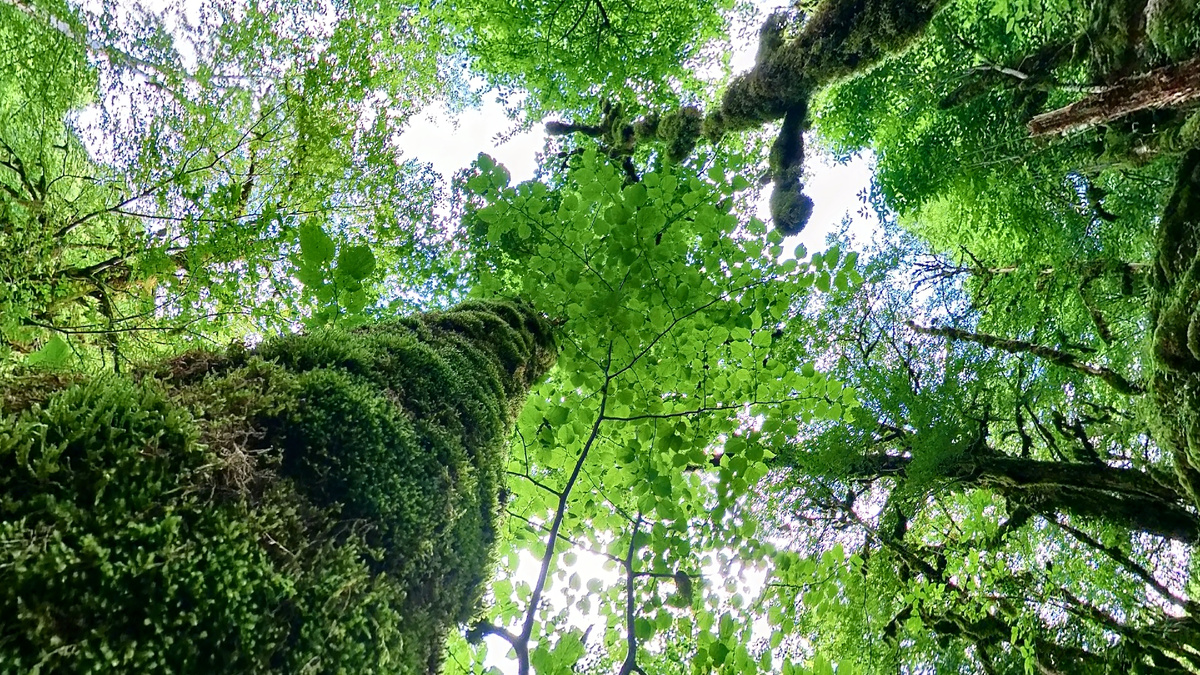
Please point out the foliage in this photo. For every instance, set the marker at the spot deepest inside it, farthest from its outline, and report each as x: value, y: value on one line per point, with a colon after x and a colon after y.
x: 187, y: 197
x: 325, y: 503
x: 559, y: 57
x: 672, y: 313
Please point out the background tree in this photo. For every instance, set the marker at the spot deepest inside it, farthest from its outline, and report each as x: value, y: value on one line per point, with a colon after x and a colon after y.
x: 240, y: 173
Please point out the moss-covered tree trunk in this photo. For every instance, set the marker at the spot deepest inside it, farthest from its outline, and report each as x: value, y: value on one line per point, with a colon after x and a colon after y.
x: 323, y: 503
x: 1128, y: 498
x: 1175, y: 316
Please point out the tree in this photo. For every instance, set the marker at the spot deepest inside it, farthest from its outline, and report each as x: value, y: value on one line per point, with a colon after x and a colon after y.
x: 227, y: 167
x: 779, y: 471
x: 559, y: 56
x: 975, y: 501
x: 671, y: 312
x: 325, y: 502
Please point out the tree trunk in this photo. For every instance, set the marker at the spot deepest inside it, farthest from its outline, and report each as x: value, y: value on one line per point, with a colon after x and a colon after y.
x: 1167, y: 87
x: 321, y: 503
x: 1125, y: 497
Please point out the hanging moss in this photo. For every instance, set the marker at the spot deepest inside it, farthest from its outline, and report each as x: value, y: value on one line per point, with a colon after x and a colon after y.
x: 325, y: 503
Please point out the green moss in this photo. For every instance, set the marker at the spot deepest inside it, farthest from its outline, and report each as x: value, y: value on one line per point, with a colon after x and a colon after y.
x: 646, y: 128
x: 326, y: 503
x: 1173, y: 27
x: 680, y: 130
x: 112, y: 563
x: 1175, y: 312
x: 790, y: 208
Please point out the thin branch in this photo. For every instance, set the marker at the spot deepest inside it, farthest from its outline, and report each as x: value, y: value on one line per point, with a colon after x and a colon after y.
x: 539, y: 587
x: 1119, y: 557
x: 630, y: 665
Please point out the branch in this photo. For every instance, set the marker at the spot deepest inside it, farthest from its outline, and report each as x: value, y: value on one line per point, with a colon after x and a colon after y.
x: 630, y: 665
x: 1058, y: 357
x: 555, y: 128
x: 1167, y: 87
x: 1119, y: 557
x: 560, y: 512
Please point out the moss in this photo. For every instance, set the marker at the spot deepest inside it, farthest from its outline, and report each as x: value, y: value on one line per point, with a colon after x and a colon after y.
x: 325, y: 503
x: 646, y: 128
x: 111, y: 562
x: 839, y: 39
x: 680, y: 130
x: 714, y: 126
x: 1175, y: 312
x: 1173, y: 27
x: 790, y: 208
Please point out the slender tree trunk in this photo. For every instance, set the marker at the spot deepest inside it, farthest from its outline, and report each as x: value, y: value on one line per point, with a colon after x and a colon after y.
x: 1167, y: 87
x: 1055, y: 356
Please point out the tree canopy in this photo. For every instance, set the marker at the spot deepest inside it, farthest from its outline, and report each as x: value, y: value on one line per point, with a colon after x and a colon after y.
x: 968, y: 443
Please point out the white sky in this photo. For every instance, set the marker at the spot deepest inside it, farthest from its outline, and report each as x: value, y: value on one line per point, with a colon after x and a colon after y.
x: 452, y: 142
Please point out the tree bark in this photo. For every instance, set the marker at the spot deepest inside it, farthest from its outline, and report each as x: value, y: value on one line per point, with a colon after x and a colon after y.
x: 1055, y: 356
x: 1126, y: 497
x: 1168, y: 87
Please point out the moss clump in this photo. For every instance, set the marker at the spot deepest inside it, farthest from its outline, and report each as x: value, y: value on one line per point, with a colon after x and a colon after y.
x: 680, y: 130
x: 326, y: 503
x: 646, y: 128
x: 1173, y: 27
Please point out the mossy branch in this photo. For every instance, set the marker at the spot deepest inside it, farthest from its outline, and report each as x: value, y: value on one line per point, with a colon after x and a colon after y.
x: 1055, y: 356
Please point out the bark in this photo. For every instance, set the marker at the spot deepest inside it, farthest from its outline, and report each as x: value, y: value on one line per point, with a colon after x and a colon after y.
x: 1168, y: 87
x: 1055, y: 356
x: 1126, y: 497
x: 841, y: 37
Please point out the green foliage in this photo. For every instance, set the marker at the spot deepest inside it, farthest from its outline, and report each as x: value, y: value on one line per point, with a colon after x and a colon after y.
x: 193, y: 210
x: 671, y: 312
x: 745, y: 460
x: 563, y: 55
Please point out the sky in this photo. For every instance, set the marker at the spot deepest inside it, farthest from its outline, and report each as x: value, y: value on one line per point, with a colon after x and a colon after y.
x: 450, y: 142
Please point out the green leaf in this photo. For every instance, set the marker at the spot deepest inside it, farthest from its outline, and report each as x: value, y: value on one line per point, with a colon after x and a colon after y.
x: 356, y: 261
x: 315, y: 246
x: 52, y: 354
x: 310, y: 276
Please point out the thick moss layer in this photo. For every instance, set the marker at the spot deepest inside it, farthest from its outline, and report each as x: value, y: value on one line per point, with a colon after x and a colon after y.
x: 326, y: 503
x: 1175, y: 306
